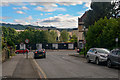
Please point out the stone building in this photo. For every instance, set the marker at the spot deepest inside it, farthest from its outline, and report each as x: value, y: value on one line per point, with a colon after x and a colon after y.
x: 81, y: 30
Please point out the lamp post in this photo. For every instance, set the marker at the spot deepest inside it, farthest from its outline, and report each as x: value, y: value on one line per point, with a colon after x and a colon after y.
x: 116, y: 42
x: 84, y: 40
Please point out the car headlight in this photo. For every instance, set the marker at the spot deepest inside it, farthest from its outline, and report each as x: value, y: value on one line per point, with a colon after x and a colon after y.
x: 103, y: 56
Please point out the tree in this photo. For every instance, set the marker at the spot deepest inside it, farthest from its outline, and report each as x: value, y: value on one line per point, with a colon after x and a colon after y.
x: 73, y: 38
x: 54, y: 35
x: 64, y: 36
x: 99, y: 10
x: 103, y: 33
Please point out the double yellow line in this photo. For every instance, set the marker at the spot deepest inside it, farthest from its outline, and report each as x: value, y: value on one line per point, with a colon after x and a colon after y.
x: 39, y: 68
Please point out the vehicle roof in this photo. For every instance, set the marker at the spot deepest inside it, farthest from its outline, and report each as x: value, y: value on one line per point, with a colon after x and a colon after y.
x: 97, y: 48
x: 116, y: 49
x: 39, y: 50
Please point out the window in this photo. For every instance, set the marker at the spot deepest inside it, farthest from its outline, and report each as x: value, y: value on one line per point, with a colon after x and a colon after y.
x: 91, y: 50
x: 118, y: 53
x: 114, y: 52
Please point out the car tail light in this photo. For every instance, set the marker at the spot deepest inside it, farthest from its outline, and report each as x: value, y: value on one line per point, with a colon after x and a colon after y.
x: 35, y: 52
x: 43, y: 51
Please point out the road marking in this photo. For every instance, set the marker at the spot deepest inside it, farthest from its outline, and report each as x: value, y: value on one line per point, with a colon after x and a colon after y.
x: 39, y: 69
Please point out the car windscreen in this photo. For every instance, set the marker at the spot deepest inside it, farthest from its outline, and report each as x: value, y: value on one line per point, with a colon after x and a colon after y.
x: 39, y: 52
x: 103, y: 51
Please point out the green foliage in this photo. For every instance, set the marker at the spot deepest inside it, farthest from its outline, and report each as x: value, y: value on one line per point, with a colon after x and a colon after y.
x: 36, y: 36
x: 99, y: 10
x: 3, y: 44
x: 54, y: 35
x: 103, y: 33
x: 64, y: 37
x: 73, y: 38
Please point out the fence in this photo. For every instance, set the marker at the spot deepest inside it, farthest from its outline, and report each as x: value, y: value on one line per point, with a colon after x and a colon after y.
x: 52, y: 46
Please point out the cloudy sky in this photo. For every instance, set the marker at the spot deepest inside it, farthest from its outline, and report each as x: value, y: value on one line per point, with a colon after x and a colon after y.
x: 58, y: 14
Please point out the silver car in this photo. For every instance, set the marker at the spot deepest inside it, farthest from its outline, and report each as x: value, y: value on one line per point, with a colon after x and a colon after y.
x: 97, y: 55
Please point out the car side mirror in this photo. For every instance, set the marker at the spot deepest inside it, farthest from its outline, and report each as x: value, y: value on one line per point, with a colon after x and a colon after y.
x: 95, y: 52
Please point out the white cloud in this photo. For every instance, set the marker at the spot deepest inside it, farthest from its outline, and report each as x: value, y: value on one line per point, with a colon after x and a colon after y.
x: 20, y: 12
x: 23, y: 8
x: 20, y: 21
x: 8, y: 3
x: 80, y: 13
x: 48, y: 14
x: 45, y: 4
x: 49, y: 9
x: 61, y: 21
x: 88, y: 5
x: 29, y: 18
x: 70, y: 3
x: 5, y: 17
x: 41, y: 14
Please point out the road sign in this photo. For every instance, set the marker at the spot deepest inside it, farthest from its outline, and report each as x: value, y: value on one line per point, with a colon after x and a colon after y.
x: 27, y: 41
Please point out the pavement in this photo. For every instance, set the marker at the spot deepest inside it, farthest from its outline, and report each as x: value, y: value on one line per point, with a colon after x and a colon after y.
x: 19, y: 67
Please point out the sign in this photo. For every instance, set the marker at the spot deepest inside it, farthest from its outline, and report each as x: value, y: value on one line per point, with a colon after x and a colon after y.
x: 116, y: 39
x: 55, y: 46
x: 27, y: 41
x: 39, y: 46
x: 22, y: 46
x: 70, y: 46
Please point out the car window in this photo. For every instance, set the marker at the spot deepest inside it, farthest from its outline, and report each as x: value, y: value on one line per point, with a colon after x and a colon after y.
x: 118, y: 52
x: 103, y: 51
x: 91, y: 50
x: 114, y: 52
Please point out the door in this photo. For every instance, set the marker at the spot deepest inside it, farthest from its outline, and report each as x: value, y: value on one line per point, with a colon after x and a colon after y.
x: 117, y: 57
x: 93, y: 56
x: 114, y: 57
x: 90, y: 53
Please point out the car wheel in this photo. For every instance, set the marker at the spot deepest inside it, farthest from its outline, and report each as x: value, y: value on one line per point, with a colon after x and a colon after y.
x: 109, y: 64
x: 44, y: 56
x: 88, y: 59
x: 17, y: 52
x: 97, y: 61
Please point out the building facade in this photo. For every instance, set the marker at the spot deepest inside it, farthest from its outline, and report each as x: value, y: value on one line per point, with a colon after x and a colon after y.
x: 81, y: 31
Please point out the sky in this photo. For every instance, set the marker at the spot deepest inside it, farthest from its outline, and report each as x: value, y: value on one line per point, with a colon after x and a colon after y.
x: 58, y: 14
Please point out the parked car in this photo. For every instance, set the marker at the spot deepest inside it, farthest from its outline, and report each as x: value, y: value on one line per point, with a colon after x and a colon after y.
x: 22, y: 51
x: 114, y: 58
x: 39, y: 54
x: 97, y: 55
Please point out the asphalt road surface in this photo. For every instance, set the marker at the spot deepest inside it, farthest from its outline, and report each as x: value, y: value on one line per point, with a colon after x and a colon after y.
x: 58, y: 64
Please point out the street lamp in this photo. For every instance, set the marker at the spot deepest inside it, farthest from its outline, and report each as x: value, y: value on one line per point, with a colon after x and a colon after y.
x: 84, y: 39
x: 116, y: 42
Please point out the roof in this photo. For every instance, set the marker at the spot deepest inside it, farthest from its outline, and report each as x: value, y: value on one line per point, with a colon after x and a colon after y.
x: 82, y: 17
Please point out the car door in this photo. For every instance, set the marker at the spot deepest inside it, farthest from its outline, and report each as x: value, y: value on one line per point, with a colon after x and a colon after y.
x: 93, y: 56
x: 22, y: 51
x: 90, y: 52
x: 114, y: 57
x: 117, y: 57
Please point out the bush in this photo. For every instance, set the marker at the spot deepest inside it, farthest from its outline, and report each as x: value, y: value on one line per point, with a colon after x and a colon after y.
x: 103, y: 33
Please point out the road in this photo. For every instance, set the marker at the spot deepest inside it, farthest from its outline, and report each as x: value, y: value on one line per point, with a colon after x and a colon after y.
x: 58, y: 64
